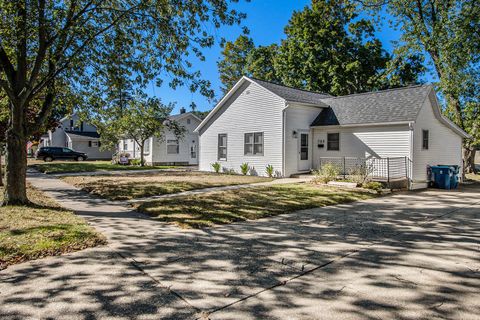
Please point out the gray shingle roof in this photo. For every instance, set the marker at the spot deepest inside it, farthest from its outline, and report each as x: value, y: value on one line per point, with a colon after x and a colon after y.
x: 292, y: 94
x: 88, y: 134
x: 393, y: 105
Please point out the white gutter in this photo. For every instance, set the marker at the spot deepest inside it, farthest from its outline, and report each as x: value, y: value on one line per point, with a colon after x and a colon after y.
x: 284, y: 127
x: 365, y: 124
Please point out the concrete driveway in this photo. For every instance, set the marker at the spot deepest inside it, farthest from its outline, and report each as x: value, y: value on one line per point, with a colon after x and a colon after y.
x: 406, y: 256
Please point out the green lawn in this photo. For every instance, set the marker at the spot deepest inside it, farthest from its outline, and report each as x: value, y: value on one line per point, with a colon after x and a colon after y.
x: 215, y: 208
x: 127, y: 187
x: 45, y: 229
x: 87, y: 166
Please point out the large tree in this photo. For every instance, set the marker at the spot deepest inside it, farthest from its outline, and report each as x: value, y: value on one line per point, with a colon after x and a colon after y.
x: 142, y: 119
x: 447, y: 31
x: 234, y: 59
x: 43, y: 42
x: 328, y: 48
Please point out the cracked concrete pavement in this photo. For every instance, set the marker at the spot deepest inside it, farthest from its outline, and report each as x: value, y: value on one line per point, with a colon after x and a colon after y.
x: 405, y: 256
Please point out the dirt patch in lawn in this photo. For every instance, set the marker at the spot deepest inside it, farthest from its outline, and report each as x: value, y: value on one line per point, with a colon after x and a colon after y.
x: 40, y: 230
x: 141, y: 186
x: 205, y: 210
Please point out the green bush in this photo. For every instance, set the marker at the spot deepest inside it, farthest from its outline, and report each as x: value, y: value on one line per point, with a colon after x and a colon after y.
x: 327, y: 173
x: 269, y: 170
x: 216, y: 167
x: 135, y: 162
x: 244, y: 168
x: 373, y: 185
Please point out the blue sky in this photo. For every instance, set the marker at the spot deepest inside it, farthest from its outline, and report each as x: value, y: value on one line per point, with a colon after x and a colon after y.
x: 266, y: 20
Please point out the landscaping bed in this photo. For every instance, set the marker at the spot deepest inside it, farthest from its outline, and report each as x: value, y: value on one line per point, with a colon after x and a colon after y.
x: 44, y: 229
x: 159, y: 183
x: 206, y: 210
x: 88, y: 166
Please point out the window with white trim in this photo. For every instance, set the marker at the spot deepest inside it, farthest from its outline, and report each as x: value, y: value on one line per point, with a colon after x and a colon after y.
x: 172, y: 146
x: 146, y: 146
x: 333, y: 141
x: 425, y: 139
x: 222, y: 146
x: 253, y: 144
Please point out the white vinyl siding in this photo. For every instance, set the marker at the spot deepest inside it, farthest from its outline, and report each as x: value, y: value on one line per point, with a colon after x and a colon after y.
x: 444, y: 145
x: 298, y: 120
x: 250, y: 109
x: 364, y: 142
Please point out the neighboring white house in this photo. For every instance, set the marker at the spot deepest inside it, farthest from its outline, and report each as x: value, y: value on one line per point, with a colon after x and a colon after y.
x: 262, y: 123
x: 77, y: 135
x: 169, y: 150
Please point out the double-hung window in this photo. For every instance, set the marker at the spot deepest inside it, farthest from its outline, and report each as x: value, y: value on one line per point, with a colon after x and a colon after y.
x: 333, y: 141
x: 222, y: 146
x: 425, y: 138
x: 172, y: 146
x: 253, y: 144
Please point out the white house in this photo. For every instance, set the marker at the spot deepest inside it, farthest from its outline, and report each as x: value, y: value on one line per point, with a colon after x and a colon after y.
x: 262, y: 123
x: 169, y: 150
x: 77, y: 135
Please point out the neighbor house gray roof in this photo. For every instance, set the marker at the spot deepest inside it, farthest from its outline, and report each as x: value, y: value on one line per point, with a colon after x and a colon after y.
x: 292, y: 94
x: 393, y: 105
x: 82, y: 134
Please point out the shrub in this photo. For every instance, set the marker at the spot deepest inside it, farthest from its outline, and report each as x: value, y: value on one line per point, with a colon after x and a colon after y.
x: 269, y: 170
x: 361, y: 173
x: 135, y: 162
x: 244, y: 168
x: 327, y: 173
x: 216, y: 167
x: 373, y: 185
x: 228, y: 171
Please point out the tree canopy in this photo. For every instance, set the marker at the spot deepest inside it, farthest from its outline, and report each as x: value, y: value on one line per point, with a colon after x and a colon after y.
x: 446, y: 31
x: 45, y: 43
x: 327, y: 48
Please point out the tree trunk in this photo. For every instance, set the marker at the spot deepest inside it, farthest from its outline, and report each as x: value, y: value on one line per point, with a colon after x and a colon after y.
x: 16, y: 169
x: 1, y: 171
x: 141, y: 154
x: 469, y: 159
x: 16, y: 158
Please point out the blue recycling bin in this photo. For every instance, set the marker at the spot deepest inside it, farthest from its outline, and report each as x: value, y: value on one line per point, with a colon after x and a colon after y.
x: 454, y: 176
x: 442, y: 176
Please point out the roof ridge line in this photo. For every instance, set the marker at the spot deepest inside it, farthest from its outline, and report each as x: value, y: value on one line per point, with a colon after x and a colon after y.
x: 381, y: 91
x: 290, y: 87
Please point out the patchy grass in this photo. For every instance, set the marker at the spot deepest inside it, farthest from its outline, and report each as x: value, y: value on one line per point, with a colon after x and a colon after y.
x: 473, y: 177
x: 141, y: 186
x: 206, y: 210
x: 88, y: 166
x: 44, y: 229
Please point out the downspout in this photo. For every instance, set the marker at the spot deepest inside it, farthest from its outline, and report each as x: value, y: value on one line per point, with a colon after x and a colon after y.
x: 412, y: 147
x: 284, y: 127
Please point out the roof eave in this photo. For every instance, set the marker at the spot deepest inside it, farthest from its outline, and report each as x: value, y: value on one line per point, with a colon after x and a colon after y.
x: 363, y: 124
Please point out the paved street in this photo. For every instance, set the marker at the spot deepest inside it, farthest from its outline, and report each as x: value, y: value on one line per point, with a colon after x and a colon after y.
x: 406, y: 256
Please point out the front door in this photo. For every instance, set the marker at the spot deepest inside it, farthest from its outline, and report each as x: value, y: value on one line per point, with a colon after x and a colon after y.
x: 303, y: 152
x: 193, y: 153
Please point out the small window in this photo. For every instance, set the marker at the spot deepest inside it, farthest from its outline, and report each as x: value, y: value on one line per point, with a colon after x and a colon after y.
x: 188, y: 121
x: 93, y: 144
x: 173, y: 147
x: 193, y: 150
x: 125, y: 145
x: 333, y: 141
x: 253, y: 143
x: 222, y: 146
x: 146, y: 147
x: 425, y: 139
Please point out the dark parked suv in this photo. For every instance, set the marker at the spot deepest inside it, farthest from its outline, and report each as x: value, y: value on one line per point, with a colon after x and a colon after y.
x: 57, y: 153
